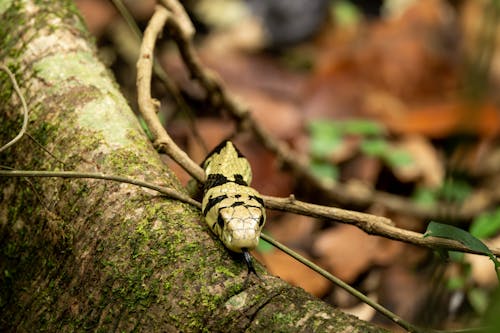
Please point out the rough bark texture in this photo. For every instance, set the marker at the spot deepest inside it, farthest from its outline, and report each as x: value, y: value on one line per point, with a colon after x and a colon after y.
x: 102, y: 256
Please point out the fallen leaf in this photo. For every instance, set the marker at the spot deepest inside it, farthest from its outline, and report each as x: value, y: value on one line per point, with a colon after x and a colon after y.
x: 347, y: 251
x: 425, y: 165
x: 293, y: 229
x: 280, y: 264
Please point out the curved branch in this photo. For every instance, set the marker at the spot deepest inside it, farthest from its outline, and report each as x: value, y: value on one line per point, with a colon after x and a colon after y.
x: 25, y: 108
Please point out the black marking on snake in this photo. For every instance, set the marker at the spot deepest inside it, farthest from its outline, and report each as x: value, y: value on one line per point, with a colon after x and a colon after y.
x: 212, y: 202
x: 215, y: 179
x: 258, y: 199
x: 238, y: 179
x: 220, y: 222
x: 237, y: 203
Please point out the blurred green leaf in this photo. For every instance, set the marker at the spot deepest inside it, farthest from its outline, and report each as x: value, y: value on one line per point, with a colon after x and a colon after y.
x: 345, y: 127
x: 424, y: 196
x: 323, y: 147
x: 323, y: 128
x: 362, y: 127
x: 455, y: 283
x: 479, y: 299
x: 344, y: 13
x: 398, y: 158
x: 374, y: 147
x: 456, y: 190
x: 486, y: 224
x: 325, y: 171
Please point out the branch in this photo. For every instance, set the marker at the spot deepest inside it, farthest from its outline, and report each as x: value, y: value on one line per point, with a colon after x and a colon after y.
x: 371, y: 224
x: 147, y: 106
x: 25, y: 109
x: 169, y: 192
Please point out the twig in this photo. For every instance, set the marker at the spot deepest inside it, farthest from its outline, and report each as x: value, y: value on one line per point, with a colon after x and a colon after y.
x: 146, y: 104
x: 180, y: 16
x: 170, y: 86
x: 74, y: 174
x: 25, y: 108
x: 371, y: 224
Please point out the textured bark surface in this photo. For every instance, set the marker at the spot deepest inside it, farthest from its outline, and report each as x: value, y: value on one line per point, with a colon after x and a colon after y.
x: 103, y: 256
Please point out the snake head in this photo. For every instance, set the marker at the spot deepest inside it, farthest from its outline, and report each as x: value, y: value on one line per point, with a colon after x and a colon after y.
x: 242, y: 225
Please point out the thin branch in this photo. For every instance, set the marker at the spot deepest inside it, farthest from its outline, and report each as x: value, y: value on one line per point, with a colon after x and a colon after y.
x: 180, y: 16
x: 147, y: 106
x: 74, y: 174
x: 170, y: 86
x: 371, y: 224
x: 25, y: 108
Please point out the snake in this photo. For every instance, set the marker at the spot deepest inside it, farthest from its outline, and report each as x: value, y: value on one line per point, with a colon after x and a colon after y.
x: 233, y: 210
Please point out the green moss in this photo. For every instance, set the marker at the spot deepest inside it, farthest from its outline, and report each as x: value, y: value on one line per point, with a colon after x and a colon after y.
x: 9, y: 36
x: 4, y: 5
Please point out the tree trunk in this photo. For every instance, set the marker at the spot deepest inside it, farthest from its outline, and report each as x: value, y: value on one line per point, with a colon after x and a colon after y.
x: 104, y: 256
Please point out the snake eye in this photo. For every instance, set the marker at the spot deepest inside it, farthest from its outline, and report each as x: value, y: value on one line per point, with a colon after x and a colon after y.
x: 220, y: 222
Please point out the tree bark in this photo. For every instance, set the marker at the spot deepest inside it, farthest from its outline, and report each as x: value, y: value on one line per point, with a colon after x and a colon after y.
x: 104, y: 256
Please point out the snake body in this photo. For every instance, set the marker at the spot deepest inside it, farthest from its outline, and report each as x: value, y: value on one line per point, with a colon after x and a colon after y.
x: 233, y: 210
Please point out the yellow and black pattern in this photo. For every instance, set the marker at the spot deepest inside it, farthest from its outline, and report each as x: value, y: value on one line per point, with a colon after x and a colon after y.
x: 233, y: 210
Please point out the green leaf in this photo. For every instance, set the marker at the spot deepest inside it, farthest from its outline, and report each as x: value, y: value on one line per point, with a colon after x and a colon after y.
x: 325, y: 171
x: 374, y: 147
x: 424, y: 196
x: 323, y: 147
x: 450, y: 232
x: 345, y: 13
x: 479, y: 300
x: 362, y: 127
x: 456, y: 283
x: 397, y: 158
x: 324, y: 128
x: 486, y: 225
x: 455, y: 190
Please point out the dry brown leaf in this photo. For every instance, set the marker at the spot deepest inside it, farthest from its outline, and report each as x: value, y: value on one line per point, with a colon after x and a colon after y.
x: 280, y: 264
x: 403, y: 291
x: 277, y: 115
x: 426, y: 165
x: 442, y: 119
x: 347, y: 251
x: 293, y: 229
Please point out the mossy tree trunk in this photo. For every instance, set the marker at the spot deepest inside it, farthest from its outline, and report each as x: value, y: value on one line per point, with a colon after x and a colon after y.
x: 104, y: 256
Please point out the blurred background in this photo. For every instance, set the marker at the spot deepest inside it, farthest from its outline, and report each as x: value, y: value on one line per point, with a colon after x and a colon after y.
x: 393, y: 101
